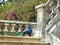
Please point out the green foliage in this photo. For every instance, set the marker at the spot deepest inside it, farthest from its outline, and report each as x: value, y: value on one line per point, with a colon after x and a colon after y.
x: 20, y: 8
x: 5, y: 9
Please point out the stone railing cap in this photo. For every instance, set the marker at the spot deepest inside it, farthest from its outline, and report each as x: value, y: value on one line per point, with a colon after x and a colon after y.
x: 43, y: 5
x: 39, y: 6
x: 17, y: 22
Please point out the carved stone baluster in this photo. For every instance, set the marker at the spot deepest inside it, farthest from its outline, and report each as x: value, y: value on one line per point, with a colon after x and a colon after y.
x: 13, y: 28
x: 6, y: 29
x: 19, y: 30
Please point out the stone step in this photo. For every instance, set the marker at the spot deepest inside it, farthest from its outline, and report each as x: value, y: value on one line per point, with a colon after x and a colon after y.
x: 23, y: 43
x: 19, y: 39
x: 14, y: 40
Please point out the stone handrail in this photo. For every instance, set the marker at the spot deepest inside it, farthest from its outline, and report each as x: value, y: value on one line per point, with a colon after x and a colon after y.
x: 17, y: 22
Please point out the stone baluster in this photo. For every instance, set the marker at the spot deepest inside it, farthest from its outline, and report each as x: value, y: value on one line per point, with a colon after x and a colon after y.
x: 13, y: 28
x: 19, y: 30
x: 6, y: 27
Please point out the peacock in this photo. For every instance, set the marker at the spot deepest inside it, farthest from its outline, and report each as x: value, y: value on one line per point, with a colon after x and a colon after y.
x: 29, y: 30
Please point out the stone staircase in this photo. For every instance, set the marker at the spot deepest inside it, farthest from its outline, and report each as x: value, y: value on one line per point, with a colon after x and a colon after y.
x: 13, y: 40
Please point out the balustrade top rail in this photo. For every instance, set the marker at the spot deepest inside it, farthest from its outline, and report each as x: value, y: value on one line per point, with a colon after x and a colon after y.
x: 17, y: 22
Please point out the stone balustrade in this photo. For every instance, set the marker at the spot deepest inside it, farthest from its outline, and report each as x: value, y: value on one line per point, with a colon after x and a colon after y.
x: 7, y: 27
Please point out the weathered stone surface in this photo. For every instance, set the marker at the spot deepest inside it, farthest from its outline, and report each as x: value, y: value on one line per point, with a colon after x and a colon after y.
x: 22, y: 43
x: 12, y: 40
x: 18, y: 39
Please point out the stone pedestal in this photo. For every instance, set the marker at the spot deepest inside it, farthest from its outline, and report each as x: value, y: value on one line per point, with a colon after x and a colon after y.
x: 42, y: 16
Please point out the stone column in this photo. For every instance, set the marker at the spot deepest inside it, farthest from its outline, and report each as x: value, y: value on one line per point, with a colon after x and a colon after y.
x: 42, y: 16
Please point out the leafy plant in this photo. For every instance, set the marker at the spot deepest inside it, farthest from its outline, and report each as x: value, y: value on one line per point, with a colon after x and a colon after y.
x: 24, y: 10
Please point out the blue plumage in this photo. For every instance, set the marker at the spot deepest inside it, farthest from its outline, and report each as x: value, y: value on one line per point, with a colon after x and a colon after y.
x: 29, y: 28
